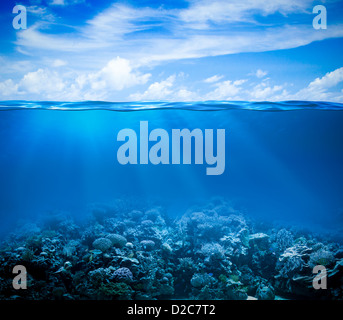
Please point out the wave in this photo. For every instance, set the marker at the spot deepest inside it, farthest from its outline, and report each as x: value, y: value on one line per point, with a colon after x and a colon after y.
x: 162, y: 105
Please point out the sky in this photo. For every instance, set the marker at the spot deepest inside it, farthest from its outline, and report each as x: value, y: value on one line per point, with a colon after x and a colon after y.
x: 190, y: 50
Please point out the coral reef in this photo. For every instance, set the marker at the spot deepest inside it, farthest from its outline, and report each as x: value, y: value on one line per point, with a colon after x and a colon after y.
x: 102, y: 244
x: 128, y: 251
x: 122, y: 275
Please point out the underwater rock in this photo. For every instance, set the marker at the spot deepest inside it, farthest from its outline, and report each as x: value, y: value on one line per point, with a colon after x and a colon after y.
x: 200, y: 280
x: 166, y: 248
x: 117, y: 240
x: 67, y: 265
x: 70, y: 248
x: 58, y: 293
x: 102, y: 244
x: 129, y: 245
x: 284, y: 239
x: 152, y: 214
x: 128, y: 262
x: 122, y: 275
x: 260, y: 239
x: 100, y: 275
x: 265, y: 293
x: 166, y: 290
x: 237, y: 295
x: 147, y: 223
x: 117, y: 290
x: 148, y: 245
x: 214, y: 251
x: 136, y: 215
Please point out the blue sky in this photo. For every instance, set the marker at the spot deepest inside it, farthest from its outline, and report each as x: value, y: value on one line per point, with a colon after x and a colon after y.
x: 171, y: 50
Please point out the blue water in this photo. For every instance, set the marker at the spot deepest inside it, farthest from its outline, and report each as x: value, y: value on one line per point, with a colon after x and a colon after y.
x: 284, y: 160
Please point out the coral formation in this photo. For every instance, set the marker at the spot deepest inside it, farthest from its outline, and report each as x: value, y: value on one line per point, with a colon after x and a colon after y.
x: 127, y: 251
x: 117, y: 240
x: 122, y: 275
x: 102, y: 244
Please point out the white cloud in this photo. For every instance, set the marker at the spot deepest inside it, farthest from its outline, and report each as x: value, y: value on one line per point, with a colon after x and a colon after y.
x: 226, y: 90
x: 156, y: 91
x: 116, y: 75
x: 8, y: 88
x: 65, y: 2
x: 33, y: 38
x: 260, y: 73
x: 42, y: 81
x: 105, y: 30
x: 244, y: 89
x: 49, y: 84
x: 331, y: 79
x: 119, y: 20
x: 185, y: 95
x: 113, y: 30
x: 318, y: 88
x: 43, y: 13
x: 166, y: 90
x: 58, y: 63
x: 9, y: 66
x: 36, y: 10
x: 263, y: 92
x: 241, y: 89
x: 57, y: 3
x: 222, y: 11
x: 213, y: 79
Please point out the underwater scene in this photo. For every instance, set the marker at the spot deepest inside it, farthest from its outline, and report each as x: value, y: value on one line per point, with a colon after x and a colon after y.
x: 171, y: 157
x: 91, y: 212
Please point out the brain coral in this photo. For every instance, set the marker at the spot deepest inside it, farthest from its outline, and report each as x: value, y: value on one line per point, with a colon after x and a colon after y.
x: 117, y: 240
x: 102, y: 244
x: 122, y: 275
x: 148, y: 244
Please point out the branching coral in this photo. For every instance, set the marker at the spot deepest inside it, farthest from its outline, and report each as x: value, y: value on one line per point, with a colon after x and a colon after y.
x: 321, y: 257
x: 293, y: 260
